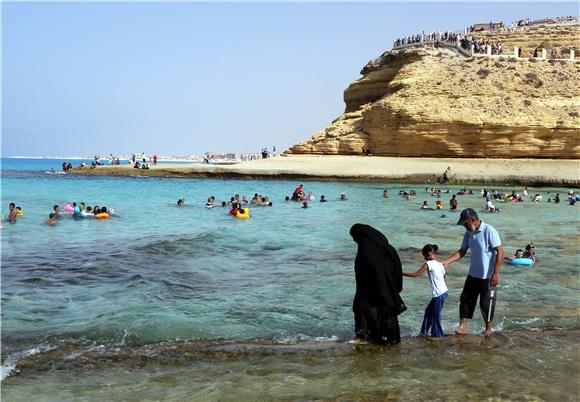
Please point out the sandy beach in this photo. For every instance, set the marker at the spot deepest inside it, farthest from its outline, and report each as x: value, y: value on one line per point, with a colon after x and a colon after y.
x: 365, y: 168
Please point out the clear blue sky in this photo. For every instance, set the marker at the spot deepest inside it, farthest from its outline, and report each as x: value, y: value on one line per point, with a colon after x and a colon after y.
x: 185, y: 78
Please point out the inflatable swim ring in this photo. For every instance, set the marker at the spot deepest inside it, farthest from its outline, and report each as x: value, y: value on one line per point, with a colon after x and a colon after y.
x: 523, y: 262
x: 68, y: 208
x: 87, y: 214
x: 102, y: 215
x: 245, y: 215
x: 20, y: 213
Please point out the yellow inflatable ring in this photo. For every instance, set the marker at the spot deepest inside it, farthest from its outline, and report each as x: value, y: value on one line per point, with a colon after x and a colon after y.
x: 19, y: 213
x: 245, y: 215
x: 102, y: 215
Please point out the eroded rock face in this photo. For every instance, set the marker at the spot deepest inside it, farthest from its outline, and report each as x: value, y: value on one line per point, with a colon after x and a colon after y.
x: 434, y: 102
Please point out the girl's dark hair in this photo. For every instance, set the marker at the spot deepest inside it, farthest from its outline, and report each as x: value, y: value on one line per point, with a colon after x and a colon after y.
x: 430, y: 248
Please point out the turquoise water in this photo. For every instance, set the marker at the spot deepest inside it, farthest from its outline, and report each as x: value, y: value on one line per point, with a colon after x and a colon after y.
x: 159, y: 273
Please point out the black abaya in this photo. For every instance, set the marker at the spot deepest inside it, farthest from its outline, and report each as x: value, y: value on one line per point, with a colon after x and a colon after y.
x: 379, y: 281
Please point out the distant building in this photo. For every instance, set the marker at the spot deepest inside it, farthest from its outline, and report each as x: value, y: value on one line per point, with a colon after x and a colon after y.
x: 487, y: 26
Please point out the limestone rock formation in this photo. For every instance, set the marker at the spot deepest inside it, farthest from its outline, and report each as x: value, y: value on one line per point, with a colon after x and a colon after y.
x: 436, y: 102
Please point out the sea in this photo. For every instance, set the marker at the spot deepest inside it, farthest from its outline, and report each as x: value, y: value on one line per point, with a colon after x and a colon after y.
x: 190, y: 304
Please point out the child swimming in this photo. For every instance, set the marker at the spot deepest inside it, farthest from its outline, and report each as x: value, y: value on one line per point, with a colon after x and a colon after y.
x: 436, y: 272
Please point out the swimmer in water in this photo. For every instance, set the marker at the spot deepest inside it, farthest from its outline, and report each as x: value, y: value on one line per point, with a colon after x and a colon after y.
x: 530, y: 252
x: 453, y: 203
x: 51, y: 219
x: 343, y: 197
x: 305, y: 205
x: 57, y: 214
x: 385, y: 194
x: 180, y: 202
x: 322, y: 199
x: 12, y: 212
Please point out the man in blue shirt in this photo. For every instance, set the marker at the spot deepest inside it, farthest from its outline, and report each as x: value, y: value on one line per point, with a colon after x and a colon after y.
x: 486, y: 259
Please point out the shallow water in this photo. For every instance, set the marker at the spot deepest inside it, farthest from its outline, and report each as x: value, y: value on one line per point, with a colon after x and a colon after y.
x: 159, y: 273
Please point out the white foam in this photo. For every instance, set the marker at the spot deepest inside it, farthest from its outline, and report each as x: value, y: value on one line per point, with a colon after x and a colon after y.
x: 529, y: 321
x: 307, y: 338
x: 11, y: 362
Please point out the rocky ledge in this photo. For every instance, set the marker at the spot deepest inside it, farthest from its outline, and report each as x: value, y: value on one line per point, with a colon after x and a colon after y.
x: 436, y: 102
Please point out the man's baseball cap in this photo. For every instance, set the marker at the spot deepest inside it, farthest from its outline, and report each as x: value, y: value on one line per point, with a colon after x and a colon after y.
x: 466, y: 214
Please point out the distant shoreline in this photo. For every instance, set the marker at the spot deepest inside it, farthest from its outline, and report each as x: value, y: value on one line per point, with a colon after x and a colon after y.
x: 80, y: 158
x: 531, y: 172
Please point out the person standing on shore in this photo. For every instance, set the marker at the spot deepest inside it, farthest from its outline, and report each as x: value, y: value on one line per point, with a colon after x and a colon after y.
x: 486, y: 258
x: 379, y: 282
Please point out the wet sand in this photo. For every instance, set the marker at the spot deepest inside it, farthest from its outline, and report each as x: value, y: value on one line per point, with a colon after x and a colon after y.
x: 533, y: 172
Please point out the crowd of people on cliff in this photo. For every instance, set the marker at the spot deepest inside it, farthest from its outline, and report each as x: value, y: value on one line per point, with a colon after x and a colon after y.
x: 423, y: 37
x: 480, y: 47
x: 450, y: 37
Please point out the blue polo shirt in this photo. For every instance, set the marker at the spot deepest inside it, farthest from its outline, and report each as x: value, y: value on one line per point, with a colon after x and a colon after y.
x: 482, y: 245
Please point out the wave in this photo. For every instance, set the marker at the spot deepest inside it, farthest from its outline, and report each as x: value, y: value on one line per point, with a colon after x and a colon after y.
x: 11, y: 363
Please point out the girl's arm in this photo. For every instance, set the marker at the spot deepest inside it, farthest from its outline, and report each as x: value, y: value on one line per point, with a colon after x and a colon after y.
x: 416, y: 274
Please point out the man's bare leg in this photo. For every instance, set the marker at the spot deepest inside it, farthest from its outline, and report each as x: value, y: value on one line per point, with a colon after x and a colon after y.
x: 462, y: 327
x: 488, y: 329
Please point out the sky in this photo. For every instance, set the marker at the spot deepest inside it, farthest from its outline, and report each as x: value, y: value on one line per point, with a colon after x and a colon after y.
x: 189, y: 77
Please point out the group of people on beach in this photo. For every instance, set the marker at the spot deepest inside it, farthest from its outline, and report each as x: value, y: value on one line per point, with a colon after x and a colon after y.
x: 66, y: 167
x: 378, y: 273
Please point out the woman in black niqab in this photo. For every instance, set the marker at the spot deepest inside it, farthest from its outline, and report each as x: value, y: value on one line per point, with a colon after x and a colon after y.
x: 379, y: 280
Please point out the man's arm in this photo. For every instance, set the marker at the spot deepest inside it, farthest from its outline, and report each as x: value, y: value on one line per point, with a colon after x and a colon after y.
x: 455, y: 257
x: 498, y: 261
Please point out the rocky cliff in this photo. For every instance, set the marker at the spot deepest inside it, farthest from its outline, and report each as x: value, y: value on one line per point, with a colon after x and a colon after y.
x: 436, y: 102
